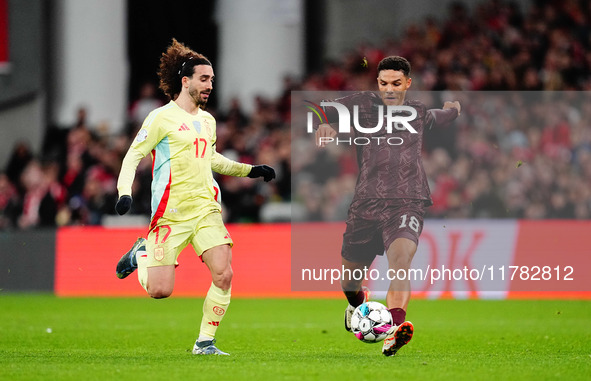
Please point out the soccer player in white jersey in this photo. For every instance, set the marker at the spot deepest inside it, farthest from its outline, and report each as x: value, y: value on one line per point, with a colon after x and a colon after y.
x: 181, y: 138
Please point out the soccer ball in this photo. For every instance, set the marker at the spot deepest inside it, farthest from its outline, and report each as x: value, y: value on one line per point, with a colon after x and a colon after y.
x: 370, y: 322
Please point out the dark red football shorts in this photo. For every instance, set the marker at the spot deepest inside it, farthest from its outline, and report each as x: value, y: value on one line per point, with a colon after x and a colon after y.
x: 373, y: 224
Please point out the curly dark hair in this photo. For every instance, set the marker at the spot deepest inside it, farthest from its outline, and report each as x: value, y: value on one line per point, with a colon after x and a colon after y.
x: 177, y: 62
x: 395, y: 63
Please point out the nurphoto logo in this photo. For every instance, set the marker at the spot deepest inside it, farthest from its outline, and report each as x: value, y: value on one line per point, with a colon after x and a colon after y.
x: 394, y: 118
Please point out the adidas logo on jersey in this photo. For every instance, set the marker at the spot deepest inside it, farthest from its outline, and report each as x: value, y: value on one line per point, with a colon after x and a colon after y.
x: 184, y: 127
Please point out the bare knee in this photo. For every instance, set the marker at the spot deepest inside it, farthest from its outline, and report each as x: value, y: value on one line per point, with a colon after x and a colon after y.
x: 400, y: 253
x: 223, y: 279
x: 219, y: 261
x: 400, y: 262
x: 160, y: 281
x: 159, y: 292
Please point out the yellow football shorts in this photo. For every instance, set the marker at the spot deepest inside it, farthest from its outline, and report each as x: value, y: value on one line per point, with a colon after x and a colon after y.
x: 167, y: 239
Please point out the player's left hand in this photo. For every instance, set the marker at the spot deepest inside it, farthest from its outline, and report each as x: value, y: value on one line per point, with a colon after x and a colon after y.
x: 264, y: 171
x: 454, y: 104
x: 123, y: 204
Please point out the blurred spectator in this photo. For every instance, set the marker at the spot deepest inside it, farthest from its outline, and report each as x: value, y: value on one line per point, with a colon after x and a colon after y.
x: 146, y: 102
x: 20, y: 157
x: 235, y: 115
x: 9, y: 203
x: 41, y: 197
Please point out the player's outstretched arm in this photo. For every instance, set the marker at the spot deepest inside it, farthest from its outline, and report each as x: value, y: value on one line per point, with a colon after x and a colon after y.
x: 442, y: 117
x: 324, y: 133
x: 125, y: 180
x: 224, y: 166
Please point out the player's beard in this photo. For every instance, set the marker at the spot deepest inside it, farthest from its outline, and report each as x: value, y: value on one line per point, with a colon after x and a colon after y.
x: 196, y: 95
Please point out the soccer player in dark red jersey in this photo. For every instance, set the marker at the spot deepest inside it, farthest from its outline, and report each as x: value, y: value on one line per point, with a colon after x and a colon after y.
x: 386, y: 213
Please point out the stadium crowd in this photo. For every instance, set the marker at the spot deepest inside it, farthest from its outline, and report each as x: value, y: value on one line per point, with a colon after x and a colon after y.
x: 508, y: 156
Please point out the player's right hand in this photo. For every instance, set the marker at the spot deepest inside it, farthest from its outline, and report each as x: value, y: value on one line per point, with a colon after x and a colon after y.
x: 324, y: 131
x: 123, y: 205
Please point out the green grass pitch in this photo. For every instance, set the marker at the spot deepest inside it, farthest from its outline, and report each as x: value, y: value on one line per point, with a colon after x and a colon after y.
x: 47, y: 338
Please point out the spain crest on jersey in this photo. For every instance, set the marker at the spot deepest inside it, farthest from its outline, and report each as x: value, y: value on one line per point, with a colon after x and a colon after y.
x: 197, y: 126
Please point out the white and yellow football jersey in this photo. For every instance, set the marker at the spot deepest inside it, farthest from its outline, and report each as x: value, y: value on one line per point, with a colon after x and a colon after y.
x: 183, y: 152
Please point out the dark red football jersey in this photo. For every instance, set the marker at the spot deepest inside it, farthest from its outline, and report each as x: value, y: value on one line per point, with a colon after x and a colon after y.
x: 389, y: 171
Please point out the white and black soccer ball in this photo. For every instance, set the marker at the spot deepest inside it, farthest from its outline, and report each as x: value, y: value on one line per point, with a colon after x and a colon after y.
x: 371, y: 321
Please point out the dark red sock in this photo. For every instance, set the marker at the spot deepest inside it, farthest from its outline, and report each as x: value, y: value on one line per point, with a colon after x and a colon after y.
x: 355, y: 298
x: 398, y: 315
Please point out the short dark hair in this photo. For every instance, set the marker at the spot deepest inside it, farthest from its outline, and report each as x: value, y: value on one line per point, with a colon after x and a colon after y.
x: 395, y: 63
